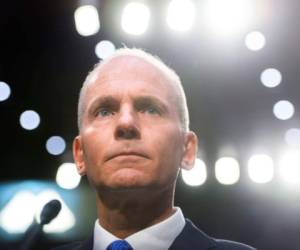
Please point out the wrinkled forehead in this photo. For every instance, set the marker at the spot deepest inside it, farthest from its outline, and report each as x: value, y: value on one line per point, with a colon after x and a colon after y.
x: 131, y: 68
x: 128, y: 67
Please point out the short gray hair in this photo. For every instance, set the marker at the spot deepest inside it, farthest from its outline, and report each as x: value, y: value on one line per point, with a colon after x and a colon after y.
x: 153, y: 60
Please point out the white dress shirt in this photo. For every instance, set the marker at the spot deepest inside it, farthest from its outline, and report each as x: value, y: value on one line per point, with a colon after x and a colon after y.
x: 157, y: 237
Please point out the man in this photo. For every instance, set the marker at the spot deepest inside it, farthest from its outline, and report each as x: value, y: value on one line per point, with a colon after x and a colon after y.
x: 133, y: 139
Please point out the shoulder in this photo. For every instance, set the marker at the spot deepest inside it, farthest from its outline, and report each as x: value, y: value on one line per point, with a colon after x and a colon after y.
x: 78, y: 245
x: 193, y: 237
x: 73, y: 245
x: 231, y: 245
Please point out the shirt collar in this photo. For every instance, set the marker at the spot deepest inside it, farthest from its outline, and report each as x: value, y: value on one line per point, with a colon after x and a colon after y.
x: 157, y: 237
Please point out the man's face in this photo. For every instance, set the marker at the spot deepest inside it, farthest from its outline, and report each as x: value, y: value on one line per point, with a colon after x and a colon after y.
x: 131, y: 136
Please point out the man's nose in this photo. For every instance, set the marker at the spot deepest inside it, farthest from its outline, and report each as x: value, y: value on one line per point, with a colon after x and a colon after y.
x: 127, y: 126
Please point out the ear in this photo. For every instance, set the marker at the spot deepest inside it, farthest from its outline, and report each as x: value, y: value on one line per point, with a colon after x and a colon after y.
x: 78, y: 155
x: 190, y: 150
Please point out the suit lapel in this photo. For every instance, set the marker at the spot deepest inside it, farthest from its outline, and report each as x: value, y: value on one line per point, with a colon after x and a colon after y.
x: 192, y: 238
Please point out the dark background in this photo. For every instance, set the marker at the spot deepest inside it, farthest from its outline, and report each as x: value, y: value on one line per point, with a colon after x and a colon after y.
x: 45, y: 61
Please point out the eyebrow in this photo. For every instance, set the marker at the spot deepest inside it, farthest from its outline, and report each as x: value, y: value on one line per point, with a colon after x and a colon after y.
x: 103, y: 101
x: 111, y: 101
x: 151, y: 100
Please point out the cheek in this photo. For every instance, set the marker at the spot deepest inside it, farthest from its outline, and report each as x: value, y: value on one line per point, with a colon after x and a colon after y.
x: 169, y: 150
x: 94, y: 144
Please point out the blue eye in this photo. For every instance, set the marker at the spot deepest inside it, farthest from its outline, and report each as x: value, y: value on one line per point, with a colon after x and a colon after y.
x: 104, y: 112
x: 151, y: 110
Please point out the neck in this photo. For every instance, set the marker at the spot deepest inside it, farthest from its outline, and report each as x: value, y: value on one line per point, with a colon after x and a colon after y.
x: 123, y: 213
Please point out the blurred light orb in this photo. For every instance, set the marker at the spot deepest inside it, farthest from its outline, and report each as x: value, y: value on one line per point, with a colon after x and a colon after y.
x: 87, y: 20
x: 197, y: 175
x: 67, y: 176
x: 260, y: 168
x: 30, y: 120
x: 292, y: 137
x: 180, y: 15
x: 283, y: 110
x: 135, y: 18
x: 230, y: 16
x: 255, y: 41
x: 290, y: 167
x: 227, y: 170
x: 271, y: 77
x: 104, y: 49
x: 18, y: 214
x: 55, y: 145
x: 4, y: 91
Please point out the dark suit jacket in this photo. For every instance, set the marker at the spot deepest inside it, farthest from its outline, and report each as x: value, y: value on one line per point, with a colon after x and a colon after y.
x: 191, y: 238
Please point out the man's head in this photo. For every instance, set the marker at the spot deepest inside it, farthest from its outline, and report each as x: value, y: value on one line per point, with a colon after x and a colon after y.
x: 168, y: 73
x: 133, y: 124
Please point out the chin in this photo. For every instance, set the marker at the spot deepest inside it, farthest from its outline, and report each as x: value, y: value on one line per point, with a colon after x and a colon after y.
x: 127, y: 178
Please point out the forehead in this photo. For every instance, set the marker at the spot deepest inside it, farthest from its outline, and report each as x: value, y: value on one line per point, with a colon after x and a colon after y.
x: 125, y: 73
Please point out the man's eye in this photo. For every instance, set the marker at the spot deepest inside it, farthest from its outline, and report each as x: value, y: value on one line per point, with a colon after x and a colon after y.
x: 104, y: 112
x: 151, y: 110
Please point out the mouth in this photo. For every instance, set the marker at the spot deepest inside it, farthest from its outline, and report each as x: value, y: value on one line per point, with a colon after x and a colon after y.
x: 130, y: 154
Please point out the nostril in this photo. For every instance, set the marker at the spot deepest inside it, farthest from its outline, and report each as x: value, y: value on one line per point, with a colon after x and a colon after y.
x: 127, y: 133
x: 120, y: 133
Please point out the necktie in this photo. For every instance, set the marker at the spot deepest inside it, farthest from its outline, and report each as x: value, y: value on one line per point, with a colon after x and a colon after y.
x: 119, y: 245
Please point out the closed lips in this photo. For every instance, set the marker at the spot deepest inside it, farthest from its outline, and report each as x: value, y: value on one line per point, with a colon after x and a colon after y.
x: 127, y: 154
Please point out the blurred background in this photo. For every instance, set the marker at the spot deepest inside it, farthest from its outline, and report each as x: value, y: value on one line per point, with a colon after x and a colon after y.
x: 239, y: 64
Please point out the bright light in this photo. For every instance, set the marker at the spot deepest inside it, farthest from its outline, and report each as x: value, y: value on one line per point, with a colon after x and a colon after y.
x: 271, y: 77
x: 292, y: 137
x: 261, y: 168
x: 64, y: 221
x: 4, y: 91
x: 104, y: 49
x: 197, y: 175
x: 67, y: 176
x: 283, y: 110
x: 29, y: 119
x: 290, y: 167
x: 255, y: 41
x: 25, y: 206
x: 181, y: 15
x: 135, y: 18
x: 227, y: 170
x: 230, y: 16
x: 18, y: 213
x: 87, y: 20
x: 55, y: 145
